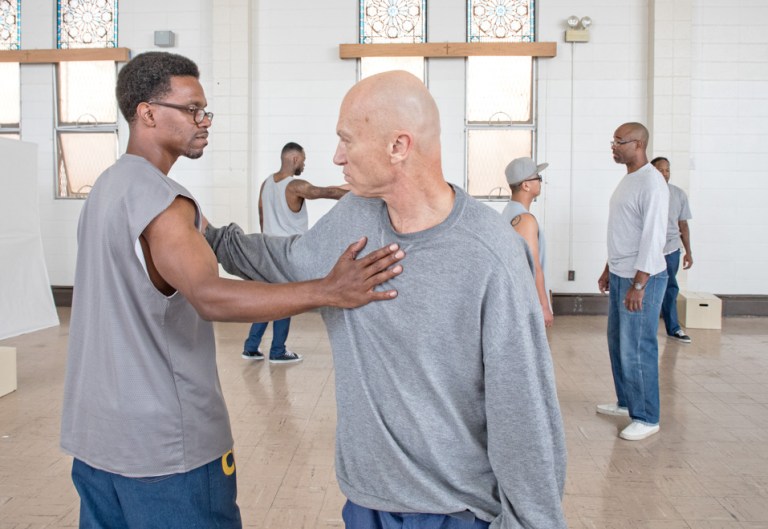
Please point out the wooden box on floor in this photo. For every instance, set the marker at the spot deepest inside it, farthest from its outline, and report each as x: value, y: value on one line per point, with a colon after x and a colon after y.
x: 699, y: 310
x: 7, y: 370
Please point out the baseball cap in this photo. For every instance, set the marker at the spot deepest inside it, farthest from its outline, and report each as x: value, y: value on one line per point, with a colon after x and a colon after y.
x: 521, y: 169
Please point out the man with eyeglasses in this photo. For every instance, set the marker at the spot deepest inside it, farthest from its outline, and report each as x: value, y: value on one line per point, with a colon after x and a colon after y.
x: 143, y: 412
x: 525, y: 185
x: 635, y: 277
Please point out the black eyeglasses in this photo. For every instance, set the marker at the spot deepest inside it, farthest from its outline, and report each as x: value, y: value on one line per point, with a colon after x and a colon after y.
x: 537, y: 177
x: 198, y: 114
x: 616, y: 143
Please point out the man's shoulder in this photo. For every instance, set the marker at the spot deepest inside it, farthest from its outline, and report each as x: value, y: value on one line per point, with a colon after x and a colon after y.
x: 678, y: 191
x: 489, y: 227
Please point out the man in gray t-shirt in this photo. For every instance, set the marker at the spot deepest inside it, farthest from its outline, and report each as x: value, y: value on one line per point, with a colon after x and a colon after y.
x: 143, y: 414
x: 678, y: 234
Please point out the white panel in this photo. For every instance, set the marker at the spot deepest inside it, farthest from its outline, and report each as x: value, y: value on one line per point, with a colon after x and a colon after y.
x: 26, y: 301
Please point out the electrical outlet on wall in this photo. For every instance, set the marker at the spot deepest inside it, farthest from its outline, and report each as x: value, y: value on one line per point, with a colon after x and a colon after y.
x: 571, y: 275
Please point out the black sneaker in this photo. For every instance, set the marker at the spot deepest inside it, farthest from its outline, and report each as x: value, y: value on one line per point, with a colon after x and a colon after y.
x: 288, y: 357
x: 680, y: 336
x: 258, y: 355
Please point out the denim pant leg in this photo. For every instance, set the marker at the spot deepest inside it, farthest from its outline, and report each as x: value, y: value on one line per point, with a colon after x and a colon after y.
x: 669, y: 304
x: 615, y: 303
x: 357, y: 517
x: 254, y: 337
x: 280, y: 330
x: 202, y: 498
x: 638, y: 357
x: 99, y: 503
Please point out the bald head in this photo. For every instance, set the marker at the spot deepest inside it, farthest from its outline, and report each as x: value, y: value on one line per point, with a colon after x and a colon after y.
x: 629, y: 145
x: 389, y: 136
x: 634, y: 131
x: 397, y: 101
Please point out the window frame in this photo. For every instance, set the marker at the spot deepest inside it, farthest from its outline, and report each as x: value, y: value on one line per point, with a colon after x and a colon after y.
x: 58, y: 128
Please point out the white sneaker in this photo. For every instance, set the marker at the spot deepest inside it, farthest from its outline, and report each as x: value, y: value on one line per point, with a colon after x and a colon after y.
x: 612, y: 409
x: 637, y: 431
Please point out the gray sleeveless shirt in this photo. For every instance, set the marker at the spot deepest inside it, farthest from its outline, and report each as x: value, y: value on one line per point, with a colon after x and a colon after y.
x: 142, y: 394
x: 279, y: 219
x: 512, y: 210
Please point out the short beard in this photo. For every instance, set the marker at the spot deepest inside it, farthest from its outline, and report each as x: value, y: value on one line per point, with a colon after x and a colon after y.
x: 194, y: 154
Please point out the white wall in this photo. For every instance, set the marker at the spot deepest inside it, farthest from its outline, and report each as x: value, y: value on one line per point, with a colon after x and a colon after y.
x: 729, y: 134
x: 272, y: 74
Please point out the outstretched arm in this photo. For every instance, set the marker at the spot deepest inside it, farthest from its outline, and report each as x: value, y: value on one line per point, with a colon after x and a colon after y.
x: 528, y: 229
x: 179, y: 258
x: 300, y: 190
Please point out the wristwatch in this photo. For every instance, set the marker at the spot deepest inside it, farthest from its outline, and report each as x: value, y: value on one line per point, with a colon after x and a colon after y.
x: 638, y: 286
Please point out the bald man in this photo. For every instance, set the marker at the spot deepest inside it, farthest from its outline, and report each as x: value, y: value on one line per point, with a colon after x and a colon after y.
x: 635, y: 277
x: 447, y: 411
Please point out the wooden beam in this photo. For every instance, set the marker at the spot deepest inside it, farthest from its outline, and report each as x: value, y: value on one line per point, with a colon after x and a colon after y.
x: 526, y: 49
x: 449, y: 49
x: 55, y: 55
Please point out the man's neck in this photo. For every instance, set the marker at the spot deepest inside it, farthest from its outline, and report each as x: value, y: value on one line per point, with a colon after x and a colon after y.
x: 524, y: 198
x: 281, y: 175
x: 412, y: 212
x: 153, y: 154
x: 636, y: 164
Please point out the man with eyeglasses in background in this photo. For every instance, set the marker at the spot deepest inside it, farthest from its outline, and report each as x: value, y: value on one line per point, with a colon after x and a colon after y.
x: 143, y: 412
x: 635, y: 277
x: 525, y: 184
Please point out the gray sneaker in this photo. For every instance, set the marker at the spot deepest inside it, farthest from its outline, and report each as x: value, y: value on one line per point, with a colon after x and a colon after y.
x: 680, y: 336
x: 288, y: 357
x: 257, y: 355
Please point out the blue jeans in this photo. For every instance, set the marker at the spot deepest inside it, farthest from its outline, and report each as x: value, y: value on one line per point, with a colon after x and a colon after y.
x: 202, y: 498
x: 669, y: 304
x: 357, y: 517
x: 634, y: 348
x: 279, y: 336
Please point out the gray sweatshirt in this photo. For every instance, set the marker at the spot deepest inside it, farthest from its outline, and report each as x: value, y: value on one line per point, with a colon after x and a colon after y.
x: 445, y: 395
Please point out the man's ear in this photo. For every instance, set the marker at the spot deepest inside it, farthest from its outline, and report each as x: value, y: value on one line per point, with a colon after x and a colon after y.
x: 401, y: 146
x: 144, y: 114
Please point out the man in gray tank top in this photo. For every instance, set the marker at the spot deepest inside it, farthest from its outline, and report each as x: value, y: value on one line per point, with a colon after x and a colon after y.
x: 283, y: 212
x: 143, y: 412
x: 525, y: 183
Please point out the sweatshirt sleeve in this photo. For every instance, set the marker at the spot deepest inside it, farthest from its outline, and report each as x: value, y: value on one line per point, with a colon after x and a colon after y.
x: 526, y: 442
x: 254, y: 256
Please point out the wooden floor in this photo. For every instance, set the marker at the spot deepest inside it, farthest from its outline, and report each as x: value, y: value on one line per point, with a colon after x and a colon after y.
x: 707, y: 469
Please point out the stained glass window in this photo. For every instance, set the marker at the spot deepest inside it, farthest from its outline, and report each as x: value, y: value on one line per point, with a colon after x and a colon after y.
x: 10, y: 24
x: 390, y: 22
x: 500, y: 20
x: 383, y: 21
x: 86, y: 24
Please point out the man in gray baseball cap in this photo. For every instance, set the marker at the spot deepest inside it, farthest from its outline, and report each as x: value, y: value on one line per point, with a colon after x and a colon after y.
x: 525, y: 181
